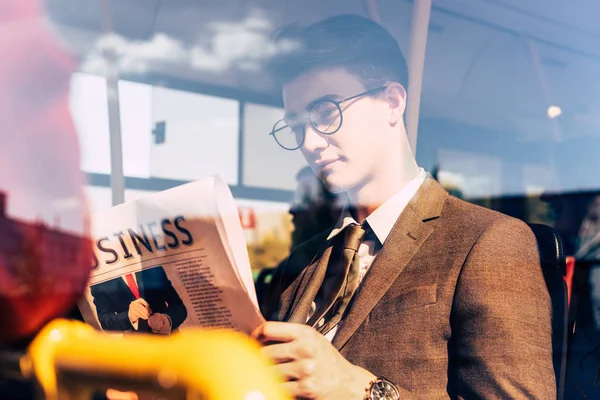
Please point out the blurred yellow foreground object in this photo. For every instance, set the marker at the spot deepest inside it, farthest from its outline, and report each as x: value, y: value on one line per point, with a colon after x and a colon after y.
x: 70, y: 360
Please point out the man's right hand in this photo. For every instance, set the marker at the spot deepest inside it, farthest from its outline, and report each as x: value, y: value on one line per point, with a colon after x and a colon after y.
x: 139, y: 309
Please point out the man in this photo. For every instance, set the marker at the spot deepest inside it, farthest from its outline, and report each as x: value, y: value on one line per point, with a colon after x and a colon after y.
x: 429, y: 297
x: 144, y: 302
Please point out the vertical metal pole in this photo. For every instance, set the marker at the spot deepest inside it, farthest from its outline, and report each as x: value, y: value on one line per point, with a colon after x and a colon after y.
x: 117, y: 177
x: 416, y: 62
x: 241, y: 137
x: 372, y: 10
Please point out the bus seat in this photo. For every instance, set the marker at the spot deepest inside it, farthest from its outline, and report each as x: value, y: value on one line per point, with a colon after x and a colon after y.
x: 553, y: 261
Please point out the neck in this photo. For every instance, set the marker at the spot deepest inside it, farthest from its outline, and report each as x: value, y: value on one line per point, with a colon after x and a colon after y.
x: 391, y: 179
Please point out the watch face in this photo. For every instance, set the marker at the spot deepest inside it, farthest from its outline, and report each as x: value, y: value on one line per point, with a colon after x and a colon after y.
x: 384, y: 390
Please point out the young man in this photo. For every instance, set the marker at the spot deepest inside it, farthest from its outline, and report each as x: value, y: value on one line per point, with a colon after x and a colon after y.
x: 430, y: 296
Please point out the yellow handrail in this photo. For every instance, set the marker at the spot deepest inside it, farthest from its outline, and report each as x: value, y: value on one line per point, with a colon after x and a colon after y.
x: 69, y: 360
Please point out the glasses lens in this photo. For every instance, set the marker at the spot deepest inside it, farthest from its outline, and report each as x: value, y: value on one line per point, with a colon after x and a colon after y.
x: 287, y: 137
x: 326, y: 117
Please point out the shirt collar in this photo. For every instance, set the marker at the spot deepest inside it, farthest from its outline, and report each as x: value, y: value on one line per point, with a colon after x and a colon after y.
x: 382, y: 220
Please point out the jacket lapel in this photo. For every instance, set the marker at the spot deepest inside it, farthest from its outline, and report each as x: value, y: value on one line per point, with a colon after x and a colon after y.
x: 120, y: 289
x: 311, y: 260
x: 410, y: 231
x: 306, y: 288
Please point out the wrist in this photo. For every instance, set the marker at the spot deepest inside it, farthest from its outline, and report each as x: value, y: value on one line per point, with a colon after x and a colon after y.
x: 361, y: 383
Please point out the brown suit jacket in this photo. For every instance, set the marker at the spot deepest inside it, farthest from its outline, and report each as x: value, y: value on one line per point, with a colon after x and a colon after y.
x: 455, y: 304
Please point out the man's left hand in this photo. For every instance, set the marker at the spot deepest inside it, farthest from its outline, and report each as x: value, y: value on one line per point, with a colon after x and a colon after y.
x: 310, y: 365
x: 160, y: 323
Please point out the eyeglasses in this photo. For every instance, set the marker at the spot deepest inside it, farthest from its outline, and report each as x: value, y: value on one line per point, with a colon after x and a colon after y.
x: 325, y: 117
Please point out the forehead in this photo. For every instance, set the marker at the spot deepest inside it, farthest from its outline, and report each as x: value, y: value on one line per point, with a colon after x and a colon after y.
x: 305, y: 88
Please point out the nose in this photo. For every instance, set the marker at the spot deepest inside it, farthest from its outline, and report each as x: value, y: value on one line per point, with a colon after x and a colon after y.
x: 313, y: 139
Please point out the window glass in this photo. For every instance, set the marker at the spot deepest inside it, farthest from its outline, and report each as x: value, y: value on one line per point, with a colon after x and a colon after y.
x: 195, y: 136
x: 509, y: 120
x: 98, y: 198
x: 508, y: 116
x: 266, y: 226
x: 89, y: 110
x: 135, y: 104
x: 265, y: 163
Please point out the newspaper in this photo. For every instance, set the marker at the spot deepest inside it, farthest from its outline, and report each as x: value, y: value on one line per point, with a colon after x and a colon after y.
x: 171, y: 260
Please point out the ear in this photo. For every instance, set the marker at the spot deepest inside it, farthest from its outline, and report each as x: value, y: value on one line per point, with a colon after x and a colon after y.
x: 395, y: 95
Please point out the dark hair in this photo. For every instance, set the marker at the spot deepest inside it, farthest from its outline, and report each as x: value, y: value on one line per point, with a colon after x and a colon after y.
x: 361, y: 46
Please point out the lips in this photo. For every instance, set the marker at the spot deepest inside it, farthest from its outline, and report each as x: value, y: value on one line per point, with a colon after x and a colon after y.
x: 322, y: 164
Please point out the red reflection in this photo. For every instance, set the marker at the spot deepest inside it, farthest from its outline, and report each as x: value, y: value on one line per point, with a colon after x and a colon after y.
x: 44, y: 258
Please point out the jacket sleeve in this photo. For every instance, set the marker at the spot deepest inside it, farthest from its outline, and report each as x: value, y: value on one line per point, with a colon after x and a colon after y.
x: 109, y: 319
x: 501, y: 341
x: 176, y: 309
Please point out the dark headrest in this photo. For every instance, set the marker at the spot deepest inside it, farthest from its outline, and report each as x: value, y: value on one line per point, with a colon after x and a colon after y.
x: 550, y: 247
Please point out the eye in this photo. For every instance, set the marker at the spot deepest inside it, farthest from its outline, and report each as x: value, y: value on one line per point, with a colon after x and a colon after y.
x: 327, y: 110
x: 325, y: 113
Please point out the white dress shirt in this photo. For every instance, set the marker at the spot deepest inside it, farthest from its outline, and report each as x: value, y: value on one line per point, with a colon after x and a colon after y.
x: 381, y: 221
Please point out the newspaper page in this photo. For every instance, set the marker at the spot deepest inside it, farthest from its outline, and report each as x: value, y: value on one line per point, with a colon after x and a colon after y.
x: 171, y: 260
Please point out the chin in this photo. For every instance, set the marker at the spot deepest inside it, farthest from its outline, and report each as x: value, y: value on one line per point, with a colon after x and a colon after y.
x: 336, y: 184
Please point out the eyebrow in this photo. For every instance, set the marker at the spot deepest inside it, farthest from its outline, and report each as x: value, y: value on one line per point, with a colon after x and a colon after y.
x: 313, y: 103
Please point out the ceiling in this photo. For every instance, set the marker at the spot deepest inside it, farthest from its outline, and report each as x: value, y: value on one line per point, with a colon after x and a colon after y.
x: 497, y: 64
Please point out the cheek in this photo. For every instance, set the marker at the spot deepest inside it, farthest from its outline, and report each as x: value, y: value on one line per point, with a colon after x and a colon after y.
x: 363, y: 141
x: 368, y: 122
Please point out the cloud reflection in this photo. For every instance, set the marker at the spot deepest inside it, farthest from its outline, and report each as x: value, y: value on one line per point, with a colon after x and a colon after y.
x: 228, y: 45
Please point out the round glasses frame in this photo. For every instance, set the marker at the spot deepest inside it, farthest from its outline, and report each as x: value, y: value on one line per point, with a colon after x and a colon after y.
x: 310, y: 119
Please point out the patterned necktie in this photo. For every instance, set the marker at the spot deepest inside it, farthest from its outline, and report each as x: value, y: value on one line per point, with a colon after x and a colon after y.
x: 346, y: 283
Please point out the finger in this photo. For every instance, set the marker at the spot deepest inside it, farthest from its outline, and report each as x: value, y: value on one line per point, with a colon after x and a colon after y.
x: 136, y: 307
x: 280, y: 332
x: 140, y: 307
x: 140, y: 311
x: 135, y: 316
x: 256, y: 334
x: 289, y: 351
x: 143, y: 302
x: 299, y: 389
x: 295, y: 370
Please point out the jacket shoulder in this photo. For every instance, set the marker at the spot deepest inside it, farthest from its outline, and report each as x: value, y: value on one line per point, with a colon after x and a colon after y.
x: 471, y: 219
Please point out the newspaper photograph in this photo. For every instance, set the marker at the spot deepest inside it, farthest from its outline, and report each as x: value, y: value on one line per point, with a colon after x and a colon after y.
x: 171, y: 260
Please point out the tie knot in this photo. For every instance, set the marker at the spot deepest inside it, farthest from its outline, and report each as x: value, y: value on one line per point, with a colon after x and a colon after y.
x: 353, y: 236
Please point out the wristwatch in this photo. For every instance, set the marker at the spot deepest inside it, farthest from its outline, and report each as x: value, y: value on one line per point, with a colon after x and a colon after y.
x: 382, y: 389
